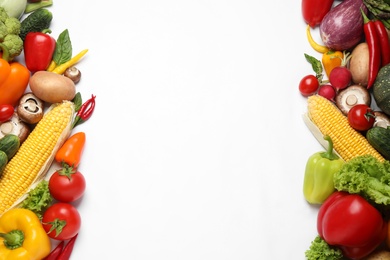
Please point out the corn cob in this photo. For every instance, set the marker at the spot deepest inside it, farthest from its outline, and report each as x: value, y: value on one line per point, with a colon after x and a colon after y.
x: 35, y: 155
x: 347, y: 142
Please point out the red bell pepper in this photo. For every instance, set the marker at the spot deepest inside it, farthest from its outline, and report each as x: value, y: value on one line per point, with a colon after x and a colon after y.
x: 351, y: 223
x: 38, y: 50
x: 313, y: 11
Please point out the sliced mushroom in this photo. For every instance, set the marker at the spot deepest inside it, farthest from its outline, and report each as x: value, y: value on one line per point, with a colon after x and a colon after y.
x: 15, y: 126
x: 350, y: 96
x: 30, y: 109
x: 381, y: 119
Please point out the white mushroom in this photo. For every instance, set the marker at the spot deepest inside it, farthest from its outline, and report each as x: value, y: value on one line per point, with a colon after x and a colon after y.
x: 30, y: 109
x: 15, y: 126
x: 350, y: 96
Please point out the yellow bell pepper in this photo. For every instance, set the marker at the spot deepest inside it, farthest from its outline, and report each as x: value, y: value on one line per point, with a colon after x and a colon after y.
x: 22, y: 236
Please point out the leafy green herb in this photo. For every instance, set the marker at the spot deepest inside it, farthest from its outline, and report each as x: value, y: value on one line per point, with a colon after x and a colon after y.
x: 63, y: 51
x: 316, y: 65
x: 38, y: 199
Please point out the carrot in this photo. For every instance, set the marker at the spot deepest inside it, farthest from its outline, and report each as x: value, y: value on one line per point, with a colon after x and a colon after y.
x: 70, y: 152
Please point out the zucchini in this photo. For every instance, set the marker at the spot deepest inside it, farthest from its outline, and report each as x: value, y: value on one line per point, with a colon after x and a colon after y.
x: 37, y: 21
x: 379, y: 138
x: 381, y: 89
x: 9, y: 144
x: 3, y: 161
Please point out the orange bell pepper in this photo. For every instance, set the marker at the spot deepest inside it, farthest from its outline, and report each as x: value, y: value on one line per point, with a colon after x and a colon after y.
x: 70, y: 152
x: 14, y: 78
x: 332, y: 59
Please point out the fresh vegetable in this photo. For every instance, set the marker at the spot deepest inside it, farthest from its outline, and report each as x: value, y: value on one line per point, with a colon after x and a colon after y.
x: 38, y: 50
x: 30, y: 108
x: 313, y: 11
x: 3, y: 161
x: 35, y: 154
x: 67, y: 252
x: 85, y: 111
x: 52, y: 87
x: 380, y: 10
x: 73, y: 73
x: 38, y: 199
x: 347, y: 142
x: 308, y: 85
x: 352, y: 224
x: 318, y: 180
x: 383, y: 39
x: 340, y: 77
x: 320, y: 250
x: 331, y: 59
x: 60, y: 69
x: 14, y: 78
x: 366, y: 176
x: 9, y: 144
x: 33, y: 5
x: 381, y: 89
x: 70, y: 152
x: 56, y: 251
x: 314, y: 44
x: 6, y: 112
x: 359, y: 64
x: 61, y: 221
x: 342, y: 27
x: 15, y: 126
x: 67, y: 184
x: 36, y: 21
x: 9, y: 35
x: 379, y: 138
x: 352, y: 96
x: 63, y: 51
x: 23, y: 236
x: 14, y: 8
x: 372, y: 40
x: 327, y: 91
x: 361, y: 117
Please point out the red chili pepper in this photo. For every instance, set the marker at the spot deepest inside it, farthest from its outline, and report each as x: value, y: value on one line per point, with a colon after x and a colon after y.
x: 383, y: 41
x: 38, y: 50
x: 85, y: 111
x: 374, y: 49
x: 55, y: 252
x: 65, y: 254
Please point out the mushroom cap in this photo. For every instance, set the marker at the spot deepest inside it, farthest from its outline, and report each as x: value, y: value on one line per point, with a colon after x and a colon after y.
x: 30, y: 108
x: 351, y: 96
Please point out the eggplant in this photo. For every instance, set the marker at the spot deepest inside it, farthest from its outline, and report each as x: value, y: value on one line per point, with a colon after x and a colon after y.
x: 342, y: 27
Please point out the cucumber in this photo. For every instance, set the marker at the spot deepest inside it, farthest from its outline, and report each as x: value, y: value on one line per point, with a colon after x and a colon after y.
x: 9, y: 144
x: 381, y: 89
x: 379, y: 138
x: 3, y: 161
x: 37, y: 21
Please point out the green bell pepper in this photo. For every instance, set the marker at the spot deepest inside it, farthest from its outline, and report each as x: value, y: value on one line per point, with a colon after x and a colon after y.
x: 320, y: 168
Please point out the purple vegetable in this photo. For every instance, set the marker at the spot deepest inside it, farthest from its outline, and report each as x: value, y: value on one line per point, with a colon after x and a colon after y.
x: 342, y: 27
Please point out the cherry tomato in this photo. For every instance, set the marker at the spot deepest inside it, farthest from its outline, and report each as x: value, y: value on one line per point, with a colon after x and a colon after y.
x: 313, y: 11
x: 6, y: 112
x: 309, y: 85
x: 61, y: 215
x: 67, y: 184
x: 361, y: 117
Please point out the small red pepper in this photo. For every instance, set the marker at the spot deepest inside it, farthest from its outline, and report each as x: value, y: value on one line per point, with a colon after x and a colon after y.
x: 38, y: 50
x: 383, y: 42
x: 85, y: 111
x: 374, y: 49
x: 55, y: 252
x: 65, y: 254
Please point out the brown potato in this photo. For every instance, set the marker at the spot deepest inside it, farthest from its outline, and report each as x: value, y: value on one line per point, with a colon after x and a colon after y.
x: 358, y: 64
x: 52, y: 87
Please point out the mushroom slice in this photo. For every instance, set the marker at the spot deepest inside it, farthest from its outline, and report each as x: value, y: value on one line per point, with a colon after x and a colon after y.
x: 15, y: 126
x: 381, y: 119
x: 30, y: 109
x: 350, y: 96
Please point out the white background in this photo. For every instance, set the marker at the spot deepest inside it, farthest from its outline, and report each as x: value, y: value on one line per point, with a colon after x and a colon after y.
x: 197, y: 147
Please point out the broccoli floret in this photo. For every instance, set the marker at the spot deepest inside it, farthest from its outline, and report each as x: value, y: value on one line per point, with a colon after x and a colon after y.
x: 320, y: 250
x: 13, y: 25
x: 366, y: 176
x: 3, y: 14
x: 14, y: 45
x: 3, y: 31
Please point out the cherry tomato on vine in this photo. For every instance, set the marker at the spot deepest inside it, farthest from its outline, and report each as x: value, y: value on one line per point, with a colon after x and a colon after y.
x: 361, y: 117
x: 67, y: 184
x: 6, y: 112
x: 309, y: 85
x: 61, y: 221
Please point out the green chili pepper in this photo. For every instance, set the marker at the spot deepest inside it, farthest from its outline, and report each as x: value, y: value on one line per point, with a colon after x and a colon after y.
x: 318, y: 181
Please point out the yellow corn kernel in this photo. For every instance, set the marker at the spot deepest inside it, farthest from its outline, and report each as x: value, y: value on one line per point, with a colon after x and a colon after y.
x: 35, y: 155
x: 347, y: 142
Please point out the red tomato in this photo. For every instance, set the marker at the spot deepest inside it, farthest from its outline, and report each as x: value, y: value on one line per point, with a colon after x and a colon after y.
x: 6, y: 112
x: 361, y: 117
x: 313, y: 11
x: 67, y: 185
x: 351, y: 223
x: 309, y: 85
x: 61, y: 215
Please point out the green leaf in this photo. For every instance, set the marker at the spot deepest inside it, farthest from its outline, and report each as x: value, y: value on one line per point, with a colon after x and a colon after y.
x: 63, y: 51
